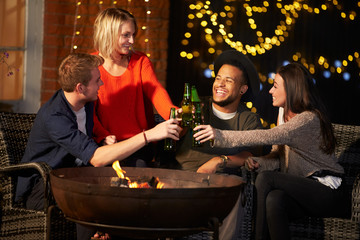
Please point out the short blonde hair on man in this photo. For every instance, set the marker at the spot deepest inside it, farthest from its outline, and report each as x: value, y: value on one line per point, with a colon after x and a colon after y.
x: 76, y: 68
x: 107, y: 29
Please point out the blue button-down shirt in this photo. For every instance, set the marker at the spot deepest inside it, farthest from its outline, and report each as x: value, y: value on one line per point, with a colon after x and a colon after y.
x: 56, y: 139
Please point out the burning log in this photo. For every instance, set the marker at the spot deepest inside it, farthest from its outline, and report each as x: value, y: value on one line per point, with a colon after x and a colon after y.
x: 154, y: 182
x: 122, y: 181
x: 119, y: 182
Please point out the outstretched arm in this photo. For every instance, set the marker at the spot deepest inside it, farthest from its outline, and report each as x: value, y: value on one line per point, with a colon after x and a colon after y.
x: 107, y: 154
x: 233, y: 161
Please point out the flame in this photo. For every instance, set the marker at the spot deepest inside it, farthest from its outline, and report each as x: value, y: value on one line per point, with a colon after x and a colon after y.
x: 160, y: 185
x: 133, y: 185
x: 118, y: 169
x: 121, y: 174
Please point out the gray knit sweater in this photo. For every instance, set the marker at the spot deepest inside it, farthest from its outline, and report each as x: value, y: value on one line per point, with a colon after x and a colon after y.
x: 296, y: 146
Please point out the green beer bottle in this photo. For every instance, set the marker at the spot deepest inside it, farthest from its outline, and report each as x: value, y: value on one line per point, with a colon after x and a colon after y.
x: 194, y: 95
x: 198, y: 120
x: 170, y: 144
x: 186, y: 106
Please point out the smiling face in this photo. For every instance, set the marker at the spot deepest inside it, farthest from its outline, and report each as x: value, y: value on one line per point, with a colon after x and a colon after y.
x: 278, y: 92
x: 126, y: 37
x: 227, y: 87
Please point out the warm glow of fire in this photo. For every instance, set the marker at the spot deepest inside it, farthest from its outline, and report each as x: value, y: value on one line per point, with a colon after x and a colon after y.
x: 118, y: 169
x: 121, y: 174
x: 133, y: 185
x: 160, y: 185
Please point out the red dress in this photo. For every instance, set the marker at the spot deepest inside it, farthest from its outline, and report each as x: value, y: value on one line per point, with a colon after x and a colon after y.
x: 124, y: 106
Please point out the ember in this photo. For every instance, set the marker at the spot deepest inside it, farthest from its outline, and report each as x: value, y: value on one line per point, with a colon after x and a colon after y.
x: 122, y: 181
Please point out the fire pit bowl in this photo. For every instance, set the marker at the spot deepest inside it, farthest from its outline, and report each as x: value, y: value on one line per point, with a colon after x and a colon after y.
x: 187, y: 200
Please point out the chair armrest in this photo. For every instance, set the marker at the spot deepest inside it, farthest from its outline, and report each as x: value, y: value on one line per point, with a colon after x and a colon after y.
x: 355, y: 200
x: 41, y: 167
x: 23, y: 169
x: 247, y: 203
x: 248, y: 176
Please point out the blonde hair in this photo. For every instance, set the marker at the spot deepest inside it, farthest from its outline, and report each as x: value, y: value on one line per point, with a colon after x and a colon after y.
x: 107, y: 29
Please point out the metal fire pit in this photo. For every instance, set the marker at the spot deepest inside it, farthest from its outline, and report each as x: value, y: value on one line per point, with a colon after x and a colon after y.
x: 188, y: 200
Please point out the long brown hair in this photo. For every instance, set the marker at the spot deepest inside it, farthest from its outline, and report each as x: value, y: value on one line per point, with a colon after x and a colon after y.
x: 302, y: 95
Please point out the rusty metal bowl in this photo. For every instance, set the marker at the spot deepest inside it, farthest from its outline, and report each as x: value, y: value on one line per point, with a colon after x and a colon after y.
x: 187, y: 200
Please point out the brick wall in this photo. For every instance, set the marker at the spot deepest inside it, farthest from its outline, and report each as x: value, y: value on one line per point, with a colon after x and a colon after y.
x: 69, y: 23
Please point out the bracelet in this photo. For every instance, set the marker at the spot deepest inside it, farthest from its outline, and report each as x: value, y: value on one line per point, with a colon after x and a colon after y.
x: 146, y: 141
x: 224, y: 160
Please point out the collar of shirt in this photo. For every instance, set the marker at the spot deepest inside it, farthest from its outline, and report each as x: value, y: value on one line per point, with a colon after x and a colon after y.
x: 222, y: 115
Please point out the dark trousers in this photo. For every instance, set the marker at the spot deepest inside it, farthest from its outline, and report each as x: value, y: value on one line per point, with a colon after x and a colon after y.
x: 35, y: 201
x: 282, y: 197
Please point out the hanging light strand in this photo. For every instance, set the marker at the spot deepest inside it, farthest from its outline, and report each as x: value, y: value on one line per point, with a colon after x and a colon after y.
x: 75, y: 32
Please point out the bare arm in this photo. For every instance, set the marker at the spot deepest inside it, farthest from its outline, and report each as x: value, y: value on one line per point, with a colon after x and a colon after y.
x: 107, y: 154
x: 234, y: 161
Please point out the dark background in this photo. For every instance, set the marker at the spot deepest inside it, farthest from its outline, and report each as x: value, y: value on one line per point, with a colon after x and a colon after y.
x: 313, y: 35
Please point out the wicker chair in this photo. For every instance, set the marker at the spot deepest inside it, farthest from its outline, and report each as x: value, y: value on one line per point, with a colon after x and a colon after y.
x: 348, y: 152
x: 16, y: 222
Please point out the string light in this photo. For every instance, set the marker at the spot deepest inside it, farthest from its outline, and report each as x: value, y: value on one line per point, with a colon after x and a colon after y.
x: 75, y: 32
x: 265, y: 43
x: 217, y: 30
x: 146, y: 40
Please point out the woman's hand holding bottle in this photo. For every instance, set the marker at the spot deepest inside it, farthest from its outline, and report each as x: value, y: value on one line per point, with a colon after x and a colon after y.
x: 204, y: 133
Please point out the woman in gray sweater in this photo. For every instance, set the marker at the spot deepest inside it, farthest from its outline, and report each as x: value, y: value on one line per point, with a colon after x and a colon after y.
x: 301, y: 175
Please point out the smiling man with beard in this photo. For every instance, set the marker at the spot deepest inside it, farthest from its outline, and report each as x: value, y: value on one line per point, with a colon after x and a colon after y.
x: 236, y: 80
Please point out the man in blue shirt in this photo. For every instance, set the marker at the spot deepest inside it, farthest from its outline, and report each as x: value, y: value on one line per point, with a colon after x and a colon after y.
x: 61, y: 134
